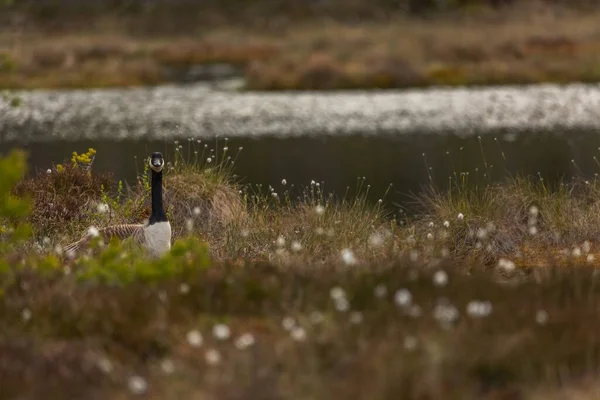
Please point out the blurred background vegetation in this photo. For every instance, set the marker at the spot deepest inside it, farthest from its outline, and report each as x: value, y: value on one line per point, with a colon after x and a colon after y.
x: 285, y: 44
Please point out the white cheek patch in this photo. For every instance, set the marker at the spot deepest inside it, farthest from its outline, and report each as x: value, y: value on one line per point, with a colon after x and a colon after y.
x: 155, y: 164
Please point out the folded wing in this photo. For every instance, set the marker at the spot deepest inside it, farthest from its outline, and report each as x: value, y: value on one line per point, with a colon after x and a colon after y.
x: 121, y: 232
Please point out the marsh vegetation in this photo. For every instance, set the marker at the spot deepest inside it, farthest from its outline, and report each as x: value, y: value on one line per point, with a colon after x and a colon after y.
x: 284, y: 45
x: 489, y: 291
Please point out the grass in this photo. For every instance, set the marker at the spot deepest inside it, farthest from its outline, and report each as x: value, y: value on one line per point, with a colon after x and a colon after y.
x: 292, y: 292
x: 523, y: 43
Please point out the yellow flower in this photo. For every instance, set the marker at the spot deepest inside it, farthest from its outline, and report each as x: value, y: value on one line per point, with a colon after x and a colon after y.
x: 85, y: 158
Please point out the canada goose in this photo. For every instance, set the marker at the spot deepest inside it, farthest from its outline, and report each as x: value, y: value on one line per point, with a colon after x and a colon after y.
x: 154, y: 236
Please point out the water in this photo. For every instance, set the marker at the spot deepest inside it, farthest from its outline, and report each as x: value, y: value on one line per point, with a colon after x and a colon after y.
x: 407, y: 138
x: 201, y: 111
x: 409, y: 162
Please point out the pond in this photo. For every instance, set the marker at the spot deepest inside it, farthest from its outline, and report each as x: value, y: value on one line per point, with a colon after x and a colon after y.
x: 408, y: 162
x: 407, y: 138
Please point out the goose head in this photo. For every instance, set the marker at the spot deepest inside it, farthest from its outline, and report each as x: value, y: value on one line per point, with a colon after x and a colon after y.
x: 157, y: 162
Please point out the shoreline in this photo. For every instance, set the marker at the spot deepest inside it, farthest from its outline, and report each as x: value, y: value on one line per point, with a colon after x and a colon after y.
x: 521, y: 44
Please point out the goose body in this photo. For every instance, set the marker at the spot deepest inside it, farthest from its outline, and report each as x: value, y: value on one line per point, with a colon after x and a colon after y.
x: 154, y: 236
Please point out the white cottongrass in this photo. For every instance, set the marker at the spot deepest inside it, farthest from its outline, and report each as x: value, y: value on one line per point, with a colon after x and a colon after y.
x: 380, y: 291
x: 296, y: 246
x: 576, y: 252
x: 440, y: 278
x: 244, y: 341
x: 189, y: 225
x: 429, y: 236
x: 93, y: 231
x: 194, y: 338
x: 356, y: 317
x: 137, y: 385
x: 460, y: 216
x: 284, y: 182
x: 414, y: 255
x: 337, y: 293
x: 58, y: 249
x: 320, y: 210
x: 105, y: 365
x: 410, y: 343
x: 533, y: 210
x: 288, y: 323
x: 221, y: 332
x: 481, y: 233
x: 445, y: 252
x: 342, y: 304
x: 445, y: 312
x: 446, y: 224
x: 26, y: 314
x: 479, y: 309
x: 348, y: 257
x: 506, y: 265
x: 167, y: 366
x: 280, y: 242
x: 196, y: 210
x: 298, y: 333
x: 102, y: 208
x: 376, y: 239
x: 48, y: 171
x: 541, y: 317
x: 184, y: 288
x: 403, y: 298
x: 586, y: 247
x: 212, y: 357
x: 209, y: 160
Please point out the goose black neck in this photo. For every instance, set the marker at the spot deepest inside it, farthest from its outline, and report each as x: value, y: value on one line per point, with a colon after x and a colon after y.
x: 158, y: 212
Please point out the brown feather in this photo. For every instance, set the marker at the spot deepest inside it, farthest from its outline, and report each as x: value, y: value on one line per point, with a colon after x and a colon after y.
x: 122, y: 232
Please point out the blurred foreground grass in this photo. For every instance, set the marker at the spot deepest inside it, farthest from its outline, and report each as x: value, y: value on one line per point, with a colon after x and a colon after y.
x: 490, y: 293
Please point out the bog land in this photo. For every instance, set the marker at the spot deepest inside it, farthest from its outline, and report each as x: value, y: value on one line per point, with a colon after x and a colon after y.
x: 286, y: 45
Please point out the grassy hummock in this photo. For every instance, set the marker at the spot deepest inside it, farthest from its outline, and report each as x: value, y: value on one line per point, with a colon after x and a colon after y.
x: 284, y: 292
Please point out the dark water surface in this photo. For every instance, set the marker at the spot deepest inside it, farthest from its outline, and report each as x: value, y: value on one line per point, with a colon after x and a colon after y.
x: 406, y: 161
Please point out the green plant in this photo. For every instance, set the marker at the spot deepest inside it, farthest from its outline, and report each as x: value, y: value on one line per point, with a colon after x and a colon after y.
x: 64, y: 198
x: 13, y: 210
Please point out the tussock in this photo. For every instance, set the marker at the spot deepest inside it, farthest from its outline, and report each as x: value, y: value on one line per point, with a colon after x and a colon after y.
x: 316, y: 296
